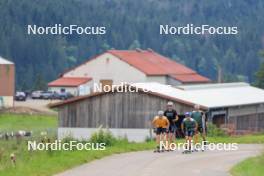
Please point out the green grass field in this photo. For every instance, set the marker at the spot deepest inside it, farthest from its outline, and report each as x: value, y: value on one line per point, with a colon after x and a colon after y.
x: 250, y: 167
x: 43, y: 163
x: 246, y: 139
x: 10, y: 122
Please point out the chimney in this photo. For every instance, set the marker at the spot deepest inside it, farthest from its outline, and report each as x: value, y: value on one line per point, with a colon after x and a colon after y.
x: 139, y: 50
x: 219, y: 74
x: 150, y: 50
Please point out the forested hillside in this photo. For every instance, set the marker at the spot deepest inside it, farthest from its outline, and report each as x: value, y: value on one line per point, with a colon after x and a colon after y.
x: 131, y: 24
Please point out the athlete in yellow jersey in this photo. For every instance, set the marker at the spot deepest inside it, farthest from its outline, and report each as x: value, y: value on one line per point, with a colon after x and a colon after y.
x: 161, y: 124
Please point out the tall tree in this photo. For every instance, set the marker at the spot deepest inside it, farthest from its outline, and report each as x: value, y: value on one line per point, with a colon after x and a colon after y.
x: 260, y: 74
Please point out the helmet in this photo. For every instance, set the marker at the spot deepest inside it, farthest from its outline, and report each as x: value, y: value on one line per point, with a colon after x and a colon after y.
x: 187, y: 114
x: 170, y: 103
x: 160, y: 113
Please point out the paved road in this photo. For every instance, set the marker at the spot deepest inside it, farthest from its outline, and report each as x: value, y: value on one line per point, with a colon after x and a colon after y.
x: 147, y: 163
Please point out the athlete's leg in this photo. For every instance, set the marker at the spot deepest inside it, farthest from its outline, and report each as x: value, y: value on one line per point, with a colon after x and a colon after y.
x: 167, y: 134
x: 196, y: 136
x: 173, y: 133
x: 164, y: 139
x: 171, y: 137
x: 190, y: 142
x: 203, y: 134
x: 158, y: 139
x: 158, y: 136
x: 186, y: 140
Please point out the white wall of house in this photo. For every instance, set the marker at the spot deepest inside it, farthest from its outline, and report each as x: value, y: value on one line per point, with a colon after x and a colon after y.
x: 72, y: 90
x: 107, y: 66
x: 159, y: 79
x: 83, y: 89
x: 172, y: 81
x: 6, y: 101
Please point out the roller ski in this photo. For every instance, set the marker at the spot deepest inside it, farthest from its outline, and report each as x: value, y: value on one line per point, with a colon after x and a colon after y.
x: 204, y: 148
x: 187, y: 152
x: 158, y: 150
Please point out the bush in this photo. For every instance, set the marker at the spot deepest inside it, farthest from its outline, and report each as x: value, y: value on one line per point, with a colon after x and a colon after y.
x: 213, y: 131
x: 68, y: 138
x: 103, y: 136
x: 149, y: 139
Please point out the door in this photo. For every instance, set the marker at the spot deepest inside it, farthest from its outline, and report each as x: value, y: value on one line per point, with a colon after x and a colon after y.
x: 219, y: 119
x: 106, y: 82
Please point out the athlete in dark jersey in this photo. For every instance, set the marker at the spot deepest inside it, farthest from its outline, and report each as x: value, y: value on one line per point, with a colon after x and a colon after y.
x: 199, y: 117
x: 172, y: 116
x: 189, y: 126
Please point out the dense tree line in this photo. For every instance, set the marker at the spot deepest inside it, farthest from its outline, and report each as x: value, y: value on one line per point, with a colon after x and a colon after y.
x: 131, y: 24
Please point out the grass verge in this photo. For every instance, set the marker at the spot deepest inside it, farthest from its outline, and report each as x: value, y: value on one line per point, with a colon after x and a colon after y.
x: 12, y: 122
x: 253, y: 166
x: 44, y: 163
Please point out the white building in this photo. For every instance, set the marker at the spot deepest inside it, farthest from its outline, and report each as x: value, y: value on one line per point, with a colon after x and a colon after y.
x: 130, y: 66
x: 74, y: 85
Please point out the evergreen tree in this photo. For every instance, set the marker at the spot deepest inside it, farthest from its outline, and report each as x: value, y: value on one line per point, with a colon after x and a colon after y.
x: 40, y: 83
x: 260, y: 75
x: 130, y: 25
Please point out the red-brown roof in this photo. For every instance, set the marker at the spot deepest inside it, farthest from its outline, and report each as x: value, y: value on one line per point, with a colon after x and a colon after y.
x: 152, y: 63
x: 69, y: 82
x: 191, y: 78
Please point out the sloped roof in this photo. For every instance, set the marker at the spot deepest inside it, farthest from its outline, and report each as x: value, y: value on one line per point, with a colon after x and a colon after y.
x: 210, y: 95
x: 154, y: 64
x: 5, y: 62
x: 151, y: 62
x: 190, y: 78
x: 69, y: 82
x: 206, y: 95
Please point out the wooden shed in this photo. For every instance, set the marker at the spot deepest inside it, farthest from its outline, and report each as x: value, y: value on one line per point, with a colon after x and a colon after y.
x: 130, y: 113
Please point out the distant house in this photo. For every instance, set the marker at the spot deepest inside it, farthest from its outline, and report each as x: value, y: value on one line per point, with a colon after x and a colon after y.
x: 116, y: 66
x: 129, y: 113
x: 74, y: 85
x: 7, y: 83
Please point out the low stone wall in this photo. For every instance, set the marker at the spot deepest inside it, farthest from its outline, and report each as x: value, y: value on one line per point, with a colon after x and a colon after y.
x: 135, y: 135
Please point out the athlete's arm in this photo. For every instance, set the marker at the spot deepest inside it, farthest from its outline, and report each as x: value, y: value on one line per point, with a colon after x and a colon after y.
x: 182, y: 126
x: 177, y: 118
x: 196, y: 126
x: 168, y: 123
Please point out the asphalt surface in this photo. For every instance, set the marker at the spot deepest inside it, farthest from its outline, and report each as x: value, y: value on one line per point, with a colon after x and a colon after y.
x: 147, y: 163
